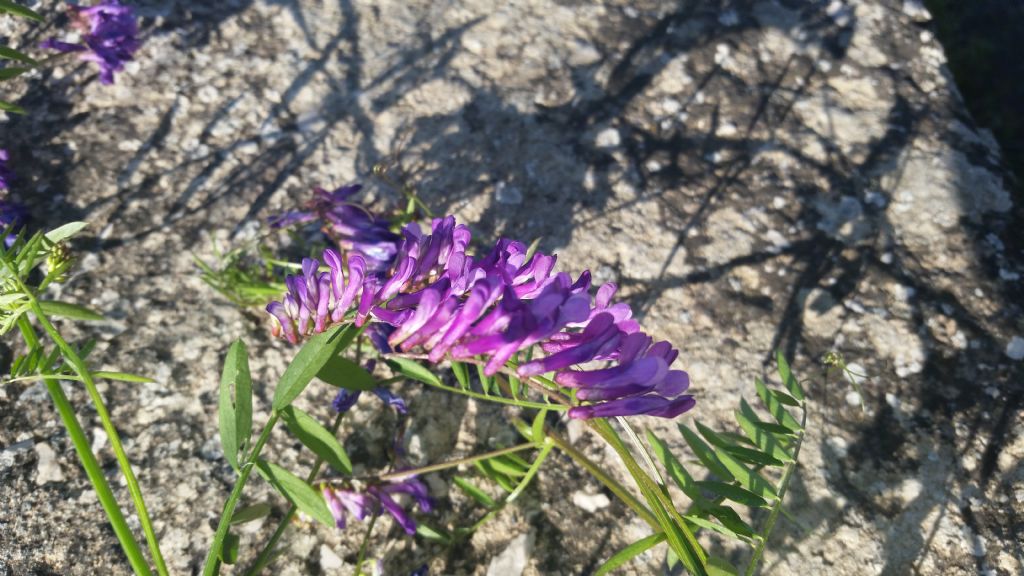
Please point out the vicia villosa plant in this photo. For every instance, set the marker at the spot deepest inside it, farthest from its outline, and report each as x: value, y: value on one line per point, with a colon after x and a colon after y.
x: 382, y: 299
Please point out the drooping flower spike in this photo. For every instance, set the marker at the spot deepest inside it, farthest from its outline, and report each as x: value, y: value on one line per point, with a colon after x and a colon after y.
x: 354, y: 228
x: 362, y: 504
x: 109, y: 36
x: 437, y: 298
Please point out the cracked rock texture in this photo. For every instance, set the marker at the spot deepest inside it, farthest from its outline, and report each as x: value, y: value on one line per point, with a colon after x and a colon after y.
x: 755, y: 175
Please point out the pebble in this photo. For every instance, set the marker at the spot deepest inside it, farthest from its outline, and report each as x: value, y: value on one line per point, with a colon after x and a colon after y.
x: 590, y: 502
x: 507, y: 194
x: 512, y: 560
x: 608, y: 138
x: 1015, y: 348
x: 47, y: 468
x: 328, y: 559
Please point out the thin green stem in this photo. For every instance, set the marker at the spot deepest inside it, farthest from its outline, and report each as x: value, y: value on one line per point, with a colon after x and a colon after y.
x: 80, y: 367
x: 365, y: 544
x: 211, y: 565
x: 454, y: 463
x: 268, y: 550
x: 89, y: 463
x: 783, y: 487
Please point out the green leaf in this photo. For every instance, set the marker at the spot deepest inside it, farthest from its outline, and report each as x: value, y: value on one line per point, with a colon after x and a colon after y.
x: 676, y: 471
x: 250, y: 513
x: 507, y: 466
x: 775, y: 408
x: 317, y: 438
x: 18, y: 10
x: 788, y: 380
x: 235, y: 406
x: 537, y: 429
x: 747, y: 478
x: 486, y: 382
x: 784, y: 398
x: 705, y: 523
x: 485, y: 468
x: 630, y: 552
x: 344, y: 373
x: 12, y: 72
x: 313, y: 356
x: 705, y: 454
x: 123, y: 377
x: 12, y: 54
x: 12, y: 108
x: 296, y: 491
x: 734, y: 493
x: 720, y: 567
x: 731, y: 520
x: 461, y: 374
x: 229, y: 549
x: 68, y: 310
x: 414, y: 370
x: 66, y: 231
x: 475, y: 492
x: 768, y: 442
x: 432, y: 534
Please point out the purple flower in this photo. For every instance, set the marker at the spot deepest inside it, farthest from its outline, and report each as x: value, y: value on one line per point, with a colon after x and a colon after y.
x: 437, y: 298
x: 340, y: 501
x: 12, y: 217
x: 6, y: 175
x: 343, y: 502
x: 109, y: 36
x: 345, y: 400
x: 392, y: 400
x: 354, y: 228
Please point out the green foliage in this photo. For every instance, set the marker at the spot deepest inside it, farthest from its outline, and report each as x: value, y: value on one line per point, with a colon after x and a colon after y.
x: 235, y: 406
x: 9, y: 7
x: 312, y: 357
x: 344, y: 373
x: 244, y: 280
x: 749, y: 470
x: 297, y: 491
x: 317, y: 438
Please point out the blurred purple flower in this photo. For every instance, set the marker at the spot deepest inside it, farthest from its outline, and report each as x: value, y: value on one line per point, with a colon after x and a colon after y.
x: 343, y: 502
x: 437, y: 298
x: 354, y: 228
x: 345, y: 400
x: 109, y: 36
x: 6, y: 175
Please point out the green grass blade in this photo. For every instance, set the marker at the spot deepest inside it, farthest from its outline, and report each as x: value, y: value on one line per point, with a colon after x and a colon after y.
x: 317, y: 438
x: 630, y: 552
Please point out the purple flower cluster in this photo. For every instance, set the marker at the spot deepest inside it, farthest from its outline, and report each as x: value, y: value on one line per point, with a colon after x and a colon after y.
x: 362, y: 504
x: 12, y: 214
x: 350, y: 225
x: 6, y: 175
x: 109, y: 36
x: 448, y: 303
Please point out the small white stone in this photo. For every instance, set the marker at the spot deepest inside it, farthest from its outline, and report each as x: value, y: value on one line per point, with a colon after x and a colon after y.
x: 590, y: 502
x: 328, y: 559
x: 916, y: 10
x: 1015, y: 349
x: 513, y: 559
x: 852, y: 398
x: 893, y: 401
x: 47, y: 469
x: 653, y: 166
x: 608, y: 138
x: 839, y: 446
x: 778, y: 202
x: 507, y: 194
x: 729, y: 18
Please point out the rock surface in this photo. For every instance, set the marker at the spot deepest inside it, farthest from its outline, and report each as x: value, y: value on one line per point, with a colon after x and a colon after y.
x: 755, y: 175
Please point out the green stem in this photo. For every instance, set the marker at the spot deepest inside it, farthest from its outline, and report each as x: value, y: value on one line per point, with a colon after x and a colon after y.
x: 783, y: 486
x: 618, y: 489
x: 89, y: 463
x: 264, y: 557
x: 680, y: 537
x: 108, y: 426
x: 211, y: 566
x: 453, y: 463
x: 365, y: 544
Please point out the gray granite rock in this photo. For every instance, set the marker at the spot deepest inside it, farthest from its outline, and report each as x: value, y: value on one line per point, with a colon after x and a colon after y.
x: 754, y: 175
